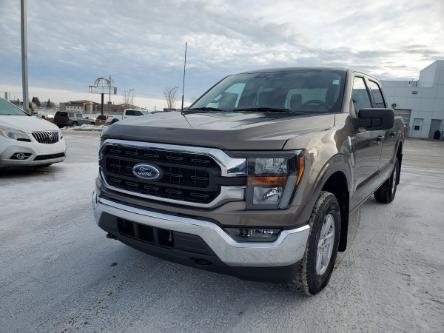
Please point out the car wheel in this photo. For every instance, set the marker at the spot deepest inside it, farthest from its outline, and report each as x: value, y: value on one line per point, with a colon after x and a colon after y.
x: 386, y: 193
x: 75, y: 123
x: 322, y: 246
x: 114, y: 121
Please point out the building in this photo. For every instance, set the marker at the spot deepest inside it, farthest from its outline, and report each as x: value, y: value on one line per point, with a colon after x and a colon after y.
x: 82, y: 106
x: 420, y: 102
x: 115, y: 108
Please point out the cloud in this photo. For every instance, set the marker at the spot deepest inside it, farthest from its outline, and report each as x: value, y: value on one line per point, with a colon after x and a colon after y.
x: 141, y: 42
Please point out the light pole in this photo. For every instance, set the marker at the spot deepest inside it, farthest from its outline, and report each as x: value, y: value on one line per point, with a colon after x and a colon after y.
x: 24, y: 28
x: 102, y: 86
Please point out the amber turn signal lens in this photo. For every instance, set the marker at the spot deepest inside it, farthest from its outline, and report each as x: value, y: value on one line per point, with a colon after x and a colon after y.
x: 301, y: 169
x: 273, y: 180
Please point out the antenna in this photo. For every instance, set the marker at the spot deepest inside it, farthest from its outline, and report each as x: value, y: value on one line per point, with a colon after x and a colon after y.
x: 183, y: 77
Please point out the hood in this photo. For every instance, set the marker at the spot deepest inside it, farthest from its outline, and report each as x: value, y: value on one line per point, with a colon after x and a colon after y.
x: 224, y: 130
x: 27, y: 124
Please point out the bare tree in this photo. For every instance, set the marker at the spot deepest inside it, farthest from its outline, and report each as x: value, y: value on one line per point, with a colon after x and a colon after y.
x: 170, y: 97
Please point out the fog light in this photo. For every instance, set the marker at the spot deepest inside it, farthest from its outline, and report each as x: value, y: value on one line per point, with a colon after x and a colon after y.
x: 20, y: 156
x: 253, y: 234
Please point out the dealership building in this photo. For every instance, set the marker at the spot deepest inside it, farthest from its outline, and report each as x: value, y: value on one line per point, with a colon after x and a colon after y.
x: 420, y: 102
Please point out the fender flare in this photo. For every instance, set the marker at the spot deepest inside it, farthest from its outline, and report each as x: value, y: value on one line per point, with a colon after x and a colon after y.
x: 337, y: 163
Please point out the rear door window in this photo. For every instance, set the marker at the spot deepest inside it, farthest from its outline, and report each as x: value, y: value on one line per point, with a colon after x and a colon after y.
x: 375, y: 90
x: 360, y: 95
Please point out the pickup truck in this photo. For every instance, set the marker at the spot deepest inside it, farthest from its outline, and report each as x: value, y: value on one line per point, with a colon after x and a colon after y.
x: 127, y: 113
x: 257, y: 178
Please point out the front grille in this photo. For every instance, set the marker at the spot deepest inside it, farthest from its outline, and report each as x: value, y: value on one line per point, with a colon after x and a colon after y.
x: 185, y: 176
x: 46, y: 137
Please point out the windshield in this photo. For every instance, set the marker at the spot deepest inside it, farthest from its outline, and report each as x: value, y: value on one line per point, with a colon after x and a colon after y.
x: 8, y: 109
x: 298, y: 91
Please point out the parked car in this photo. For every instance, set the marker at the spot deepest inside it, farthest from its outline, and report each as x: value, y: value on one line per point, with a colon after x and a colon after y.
x: 257, y: 178
x: 27, y: 140
x: 101, y: 119
x: 126, y: 114
x: 63, y: 118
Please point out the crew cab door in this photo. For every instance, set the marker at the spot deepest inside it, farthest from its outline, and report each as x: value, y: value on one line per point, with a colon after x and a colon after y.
x: 389, y: 136
x: 366, y: 145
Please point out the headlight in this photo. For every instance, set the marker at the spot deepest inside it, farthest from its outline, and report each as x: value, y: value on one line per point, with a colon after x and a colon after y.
x: 14, y: 134
x: 272, y: 180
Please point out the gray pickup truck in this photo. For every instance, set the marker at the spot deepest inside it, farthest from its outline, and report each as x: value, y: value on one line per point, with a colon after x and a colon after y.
x: 257, y: 178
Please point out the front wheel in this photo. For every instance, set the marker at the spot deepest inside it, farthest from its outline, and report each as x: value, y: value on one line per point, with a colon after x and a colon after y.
x: 322, y: 246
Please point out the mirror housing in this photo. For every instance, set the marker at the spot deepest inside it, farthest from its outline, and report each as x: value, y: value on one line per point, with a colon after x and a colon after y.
x: 376, y: 119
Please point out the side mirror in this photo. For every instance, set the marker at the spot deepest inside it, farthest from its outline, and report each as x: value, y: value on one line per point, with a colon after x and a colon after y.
x: 375, y: 119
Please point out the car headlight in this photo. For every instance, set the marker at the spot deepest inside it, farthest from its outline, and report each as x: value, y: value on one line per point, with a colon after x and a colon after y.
x: 272, y: 180
x: 14, y: 134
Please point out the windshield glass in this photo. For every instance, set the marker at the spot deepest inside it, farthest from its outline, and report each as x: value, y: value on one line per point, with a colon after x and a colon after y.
x: 8, y: 109
x: 300, y: 90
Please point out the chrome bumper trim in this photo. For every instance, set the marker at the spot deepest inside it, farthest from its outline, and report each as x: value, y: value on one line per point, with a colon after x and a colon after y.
x: 288, y: 249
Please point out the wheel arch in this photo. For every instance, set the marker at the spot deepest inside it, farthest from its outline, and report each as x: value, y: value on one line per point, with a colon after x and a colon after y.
x: 338, y: 185
x: 336, y: 177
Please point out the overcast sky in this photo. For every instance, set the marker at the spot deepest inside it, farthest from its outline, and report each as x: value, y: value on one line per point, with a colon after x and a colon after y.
x: 140, y: 43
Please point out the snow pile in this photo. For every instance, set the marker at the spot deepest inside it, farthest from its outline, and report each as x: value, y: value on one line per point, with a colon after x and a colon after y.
x: 85, y: 127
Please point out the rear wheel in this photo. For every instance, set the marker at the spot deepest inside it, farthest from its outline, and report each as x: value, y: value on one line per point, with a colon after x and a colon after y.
x: 322, y: 246
x: 75, y: 123
x: 386, y: 193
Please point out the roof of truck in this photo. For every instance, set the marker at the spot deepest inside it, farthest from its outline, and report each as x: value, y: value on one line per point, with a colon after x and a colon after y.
x: 289, y: 69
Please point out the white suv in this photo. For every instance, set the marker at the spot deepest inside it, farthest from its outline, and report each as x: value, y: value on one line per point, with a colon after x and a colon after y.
x: 26, y: 140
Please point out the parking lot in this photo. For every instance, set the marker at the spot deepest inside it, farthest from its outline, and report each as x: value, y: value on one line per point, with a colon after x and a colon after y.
x: 59, y: 273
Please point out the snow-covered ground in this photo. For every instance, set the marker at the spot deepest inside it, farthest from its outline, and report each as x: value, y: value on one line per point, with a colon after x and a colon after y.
x: 85, y: 127
x: 59, y: 273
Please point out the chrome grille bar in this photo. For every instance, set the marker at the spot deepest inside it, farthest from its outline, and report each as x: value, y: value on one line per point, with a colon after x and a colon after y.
x: 46, y: 137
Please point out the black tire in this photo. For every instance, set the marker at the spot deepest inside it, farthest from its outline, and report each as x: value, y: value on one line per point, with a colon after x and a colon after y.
x: 75, y: 123
x: 114, y: 121
x: 386, y: 193
x: 309, y: 279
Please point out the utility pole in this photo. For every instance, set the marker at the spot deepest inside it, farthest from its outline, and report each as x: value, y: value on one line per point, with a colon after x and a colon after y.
x: 183, y: 77
x: 101, y: 103
x: 24, y: 28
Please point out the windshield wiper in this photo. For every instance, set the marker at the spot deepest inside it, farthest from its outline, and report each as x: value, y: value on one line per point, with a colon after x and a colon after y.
x: 204, y: 108
x: 266, y: 109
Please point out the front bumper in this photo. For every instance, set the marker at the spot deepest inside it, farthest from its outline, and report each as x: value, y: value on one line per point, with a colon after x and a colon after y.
x: 40, y: 154
x: 287, y: 250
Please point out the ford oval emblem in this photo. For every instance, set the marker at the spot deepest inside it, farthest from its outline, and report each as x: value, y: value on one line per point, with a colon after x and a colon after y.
x: 146, y: 171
